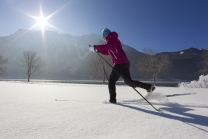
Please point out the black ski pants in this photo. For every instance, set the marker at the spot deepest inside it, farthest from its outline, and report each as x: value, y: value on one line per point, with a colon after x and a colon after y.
x: 123, y: 71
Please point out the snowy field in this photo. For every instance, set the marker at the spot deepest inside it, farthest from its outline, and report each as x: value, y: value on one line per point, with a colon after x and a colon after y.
x: 81, y: 111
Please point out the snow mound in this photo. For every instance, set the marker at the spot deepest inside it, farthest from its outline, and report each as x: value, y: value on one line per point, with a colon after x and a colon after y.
x: 201, y: 83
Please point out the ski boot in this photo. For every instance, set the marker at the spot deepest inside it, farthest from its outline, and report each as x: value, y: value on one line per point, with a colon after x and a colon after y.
x: 152, y: 88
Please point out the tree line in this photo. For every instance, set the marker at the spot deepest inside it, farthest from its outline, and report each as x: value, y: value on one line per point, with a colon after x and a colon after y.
x: 30, y: 61
x: 150, y: 64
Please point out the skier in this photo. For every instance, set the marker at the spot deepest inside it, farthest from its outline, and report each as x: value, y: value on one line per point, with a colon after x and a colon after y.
x: 120, y: 61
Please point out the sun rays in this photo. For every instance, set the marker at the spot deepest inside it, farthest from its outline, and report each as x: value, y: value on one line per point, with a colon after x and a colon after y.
x: 41, y: 21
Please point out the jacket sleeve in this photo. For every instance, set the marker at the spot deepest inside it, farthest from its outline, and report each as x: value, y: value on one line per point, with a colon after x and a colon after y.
x: 109, y: 45
x: 103, y: 52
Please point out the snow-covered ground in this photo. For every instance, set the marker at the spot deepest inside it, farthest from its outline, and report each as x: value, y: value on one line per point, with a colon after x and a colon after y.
x: 71, y: 111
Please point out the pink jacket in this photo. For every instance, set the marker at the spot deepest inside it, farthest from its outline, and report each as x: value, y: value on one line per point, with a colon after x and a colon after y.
x: 113, y: 48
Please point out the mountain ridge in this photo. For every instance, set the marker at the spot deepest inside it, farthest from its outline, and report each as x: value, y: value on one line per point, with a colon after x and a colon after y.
x: 64, y: 55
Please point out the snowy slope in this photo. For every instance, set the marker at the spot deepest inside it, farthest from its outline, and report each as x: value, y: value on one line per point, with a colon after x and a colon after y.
x: 68, y: 111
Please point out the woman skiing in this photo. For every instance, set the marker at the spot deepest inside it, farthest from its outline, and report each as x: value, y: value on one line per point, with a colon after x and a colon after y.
x: 120, y: 61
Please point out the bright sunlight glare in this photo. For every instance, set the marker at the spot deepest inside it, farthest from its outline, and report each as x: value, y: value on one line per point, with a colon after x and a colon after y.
x: 41, y: 21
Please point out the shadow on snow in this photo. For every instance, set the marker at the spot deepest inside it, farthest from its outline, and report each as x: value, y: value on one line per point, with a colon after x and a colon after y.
x: 177, y: 109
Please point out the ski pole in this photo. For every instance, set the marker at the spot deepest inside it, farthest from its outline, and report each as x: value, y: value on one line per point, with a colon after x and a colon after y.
x: 104, y: 69
x: 102, y: 65
x: 123, y: 78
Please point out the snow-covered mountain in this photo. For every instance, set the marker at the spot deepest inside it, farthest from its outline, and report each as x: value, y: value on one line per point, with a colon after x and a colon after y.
x: 68, y: 56
x: 62, y: 53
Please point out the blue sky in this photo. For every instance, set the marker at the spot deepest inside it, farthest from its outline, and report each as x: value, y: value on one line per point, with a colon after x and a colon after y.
x: 162, y: 25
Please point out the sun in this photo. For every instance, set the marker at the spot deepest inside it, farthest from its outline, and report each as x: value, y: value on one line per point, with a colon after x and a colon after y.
x: 41, y: 21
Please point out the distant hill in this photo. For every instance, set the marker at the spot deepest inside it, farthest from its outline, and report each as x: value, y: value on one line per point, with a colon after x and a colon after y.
x: 68, y: 56
x: 185, y: 64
